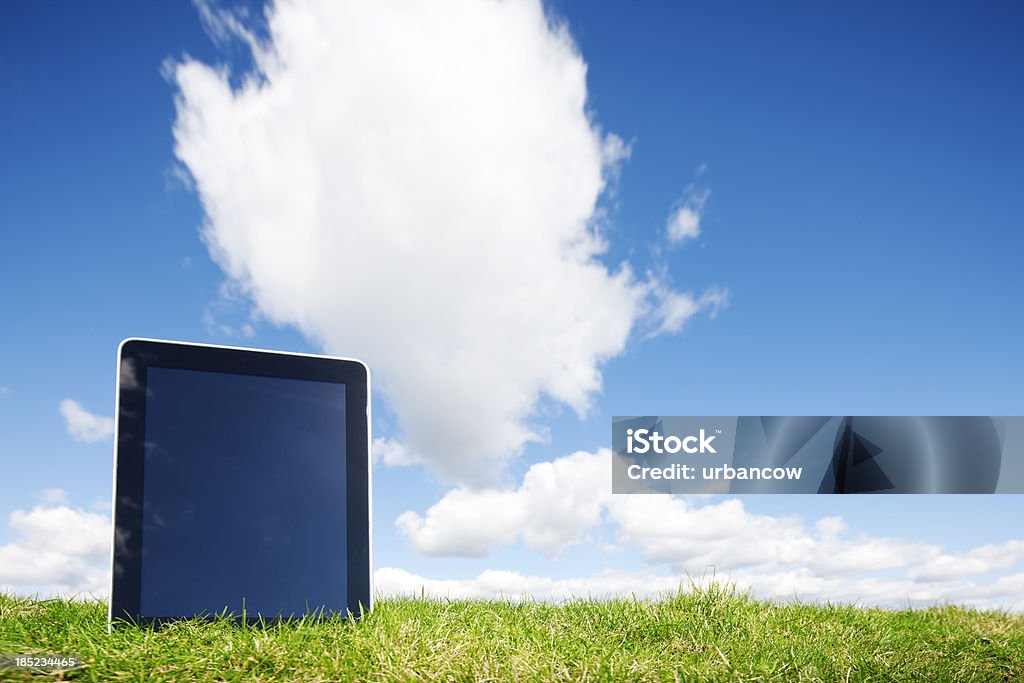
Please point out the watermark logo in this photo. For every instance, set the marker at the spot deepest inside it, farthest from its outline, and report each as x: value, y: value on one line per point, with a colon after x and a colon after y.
x: 642, y: 441
x: 817, y: 454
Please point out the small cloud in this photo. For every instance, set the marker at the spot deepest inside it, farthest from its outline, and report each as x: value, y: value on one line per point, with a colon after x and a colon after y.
x: 224, y: 26
x: 713, y: 300
x: 684, y: 222
x: 5, y: 391
x: 674, y: 308
x: 186, y: 263
x: 393, y: 453
x: 84, y: 426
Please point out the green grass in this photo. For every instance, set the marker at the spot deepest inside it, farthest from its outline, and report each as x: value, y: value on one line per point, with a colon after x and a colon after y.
x: 710, y: 634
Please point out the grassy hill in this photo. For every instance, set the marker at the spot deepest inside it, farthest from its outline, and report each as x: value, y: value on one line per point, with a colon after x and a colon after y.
x: 705, y: 635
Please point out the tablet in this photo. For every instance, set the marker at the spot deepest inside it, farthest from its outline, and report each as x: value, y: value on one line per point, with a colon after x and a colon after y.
x: 241, y: 484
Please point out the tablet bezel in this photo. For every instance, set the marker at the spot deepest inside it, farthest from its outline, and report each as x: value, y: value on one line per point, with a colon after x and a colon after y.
x: 134, y: 356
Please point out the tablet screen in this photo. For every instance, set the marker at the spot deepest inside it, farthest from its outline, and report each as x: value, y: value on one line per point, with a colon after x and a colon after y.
x: 237, y: 468
x: 241, y: 484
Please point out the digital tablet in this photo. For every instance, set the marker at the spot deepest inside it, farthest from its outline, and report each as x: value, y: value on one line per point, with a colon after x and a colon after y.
x: 241, y: 484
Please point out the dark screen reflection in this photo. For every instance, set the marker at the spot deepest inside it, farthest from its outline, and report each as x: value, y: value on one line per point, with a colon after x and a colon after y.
x: 243, y: 495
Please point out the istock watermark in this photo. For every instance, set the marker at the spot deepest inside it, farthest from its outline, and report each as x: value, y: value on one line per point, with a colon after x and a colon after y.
x: 837, y: 454
x: 644, y: 440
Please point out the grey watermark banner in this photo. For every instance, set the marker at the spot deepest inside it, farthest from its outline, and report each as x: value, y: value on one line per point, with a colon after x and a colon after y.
x: 837, y: 454
x: 40, y: 662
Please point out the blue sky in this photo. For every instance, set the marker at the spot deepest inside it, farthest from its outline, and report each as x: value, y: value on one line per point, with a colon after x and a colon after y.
x: 852, y: 171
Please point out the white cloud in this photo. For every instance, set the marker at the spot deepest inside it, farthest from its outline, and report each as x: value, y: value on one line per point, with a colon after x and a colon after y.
x: 417, y: 184
x: 58, y: 550
x: 1003, y: 593
x: 560, y: 503
x: 5, y: 391
x: 393, y: 453
x: 556, y: 502
x: 976, y: 561
x: 675, y: 308
x: 830, y: 526
x: 59, y: 528
x: 687, y: 537
x: 684, y: 222
x: 390, y: 581
x: 83, y: 425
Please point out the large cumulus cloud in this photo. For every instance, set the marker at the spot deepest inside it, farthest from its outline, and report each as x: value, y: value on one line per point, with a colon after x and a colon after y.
x: 418, y: 184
